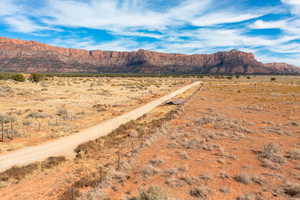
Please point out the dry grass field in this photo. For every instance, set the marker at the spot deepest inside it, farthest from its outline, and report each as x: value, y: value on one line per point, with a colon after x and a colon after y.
x: 38, y: 112
x: 234, y: 139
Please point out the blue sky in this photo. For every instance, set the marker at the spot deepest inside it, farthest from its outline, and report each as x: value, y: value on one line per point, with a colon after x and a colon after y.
x: 268, y: 28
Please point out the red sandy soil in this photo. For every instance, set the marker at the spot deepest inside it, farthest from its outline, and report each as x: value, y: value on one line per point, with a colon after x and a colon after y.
x: 219, y: 135
x: 230, y: 155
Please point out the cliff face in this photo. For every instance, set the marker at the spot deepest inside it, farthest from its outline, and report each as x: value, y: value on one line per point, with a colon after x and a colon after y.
x: 30, y: 56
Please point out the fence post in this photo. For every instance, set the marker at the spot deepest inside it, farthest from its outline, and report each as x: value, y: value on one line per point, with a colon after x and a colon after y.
x: 119, y: 160
x: 2, y: 123
x: 11, y: 128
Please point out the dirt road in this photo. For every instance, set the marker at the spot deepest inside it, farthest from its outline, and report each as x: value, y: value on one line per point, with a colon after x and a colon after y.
x: 66, y: 145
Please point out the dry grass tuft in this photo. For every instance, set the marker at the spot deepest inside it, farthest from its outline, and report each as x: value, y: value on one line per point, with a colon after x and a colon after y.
x: 152, y: 193
x: 271, y: 152
x: 201, y: 192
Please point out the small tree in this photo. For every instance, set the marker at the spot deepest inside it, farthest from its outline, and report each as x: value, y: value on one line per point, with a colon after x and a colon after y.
x: 36, y: 77
x: 273, y: 79
x: 18, y: 77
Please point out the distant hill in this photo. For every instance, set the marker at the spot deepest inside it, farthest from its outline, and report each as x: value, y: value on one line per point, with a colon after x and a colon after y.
x: 30, y: 56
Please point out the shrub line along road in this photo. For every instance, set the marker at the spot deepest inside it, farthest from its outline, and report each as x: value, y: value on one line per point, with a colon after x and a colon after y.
x: 65, y: 146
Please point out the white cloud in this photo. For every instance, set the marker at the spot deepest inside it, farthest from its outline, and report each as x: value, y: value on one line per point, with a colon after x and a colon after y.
x: 230, y: 37
x: 260, y: 24
x: 222, y: 18
x: 290, y: 26
x: 8, y: 7
x: 89, y: 44
x: 280, y: 59
x: 117, y: 45
x: 22, y: 24
x: 112, y: 15
x: 294, y: 4
x: 101, y: 15
x: 18, y: 18
x: 128, y: 32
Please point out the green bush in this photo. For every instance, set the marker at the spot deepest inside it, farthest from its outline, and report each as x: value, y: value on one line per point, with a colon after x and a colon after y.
x: 18, y: 77
x: 36, y: 77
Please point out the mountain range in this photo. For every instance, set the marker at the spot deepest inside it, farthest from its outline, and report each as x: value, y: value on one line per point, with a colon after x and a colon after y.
x: 30, y: 56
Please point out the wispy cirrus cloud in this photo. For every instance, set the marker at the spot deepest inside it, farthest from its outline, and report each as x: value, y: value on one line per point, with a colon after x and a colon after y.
x: 294, y: 4
x: 268, y: 28
x: 23, y: 24
x: 8, y: 7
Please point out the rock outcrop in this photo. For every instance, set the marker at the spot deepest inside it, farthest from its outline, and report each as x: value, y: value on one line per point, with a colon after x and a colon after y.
x: 30, y: 56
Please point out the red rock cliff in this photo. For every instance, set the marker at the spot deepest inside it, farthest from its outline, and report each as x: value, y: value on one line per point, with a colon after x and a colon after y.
x: 30, y: 56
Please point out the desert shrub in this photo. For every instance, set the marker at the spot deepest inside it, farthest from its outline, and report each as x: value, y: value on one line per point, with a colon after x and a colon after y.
x: 243, y: 178
x: 27, y: 123
x: 294, y: 123
x: 44, y: 84
x: 223, y: 175
x: 237, y: 76
x: 200, y: 192
x: 269, y: 164
x: 63, y: 113
x: 294, y: 154
x: 156, y: 162
x: 36, y: 77
x: 18, y: 77
x: 7, y: 76
x: 4, y: 118
x: 224, y: 190
x: 248, y: 77
x: 153, y: 193
x: 248, y: 197
x: 271, y: 152
x: 272, y: 79
x: 292, y: 189
x: 149, y: 171
x: 18, y: 173
x: 37, y: 115
x: 52, y: 161
x: 2, y: 76
x: 183, y: 155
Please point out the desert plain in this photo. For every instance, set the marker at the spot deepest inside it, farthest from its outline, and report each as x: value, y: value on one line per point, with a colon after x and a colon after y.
x: 232, y: 137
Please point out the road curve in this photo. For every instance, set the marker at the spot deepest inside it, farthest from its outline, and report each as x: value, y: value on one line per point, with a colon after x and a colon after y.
x: 66, y: 145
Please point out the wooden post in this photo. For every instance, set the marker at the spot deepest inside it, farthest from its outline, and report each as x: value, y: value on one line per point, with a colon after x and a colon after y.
x: 39, y: 124
x: 11, y: 128
x: 2, y: 123
x: 132, y: 147
x: 119, y: 160
x: 72, y: 193
x: 101, y: 175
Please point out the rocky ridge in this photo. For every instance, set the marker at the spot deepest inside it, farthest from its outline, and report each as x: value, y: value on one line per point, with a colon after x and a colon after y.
x: 31, y: 56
